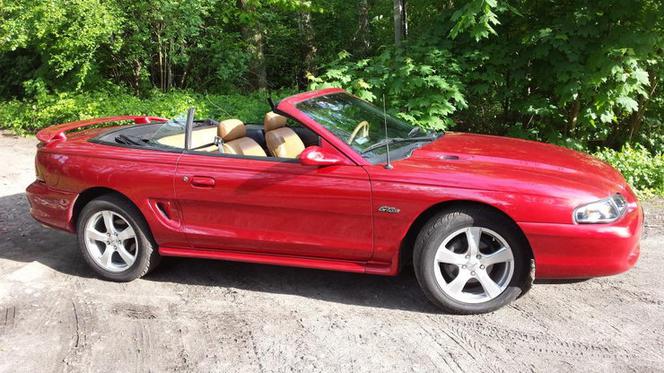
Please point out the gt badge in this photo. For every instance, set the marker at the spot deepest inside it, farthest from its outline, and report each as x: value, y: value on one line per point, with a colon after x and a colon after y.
x: 389, y: 209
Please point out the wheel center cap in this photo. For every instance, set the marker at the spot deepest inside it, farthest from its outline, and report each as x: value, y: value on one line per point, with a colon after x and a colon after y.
x: 472, y: 264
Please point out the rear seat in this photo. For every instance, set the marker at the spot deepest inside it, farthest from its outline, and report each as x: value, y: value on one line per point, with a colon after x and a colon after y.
x: 255, y: 131
x: 234, y: 134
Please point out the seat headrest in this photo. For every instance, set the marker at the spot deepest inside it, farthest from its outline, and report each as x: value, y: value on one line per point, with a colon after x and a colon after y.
x: 231, y: 129
x: 273, y: 121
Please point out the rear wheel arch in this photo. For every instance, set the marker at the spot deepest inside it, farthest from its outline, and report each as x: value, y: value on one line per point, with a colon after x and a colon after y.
x: 408, y: 242
x: 91, y: 194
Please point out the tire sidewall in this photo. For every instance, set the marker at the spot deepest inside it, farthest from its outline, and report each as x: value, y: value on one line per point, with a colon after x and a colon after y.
x: 144, y: 245
x: 444, y: 224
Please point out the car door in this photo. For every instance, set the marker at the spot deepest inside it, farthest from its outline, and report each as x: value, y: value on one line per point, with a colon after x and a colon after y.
x: 274, y: 206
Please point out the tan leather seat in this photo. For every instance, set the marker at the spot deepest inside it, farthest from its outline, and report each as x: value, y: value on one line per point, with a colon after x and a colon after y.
x: 281, y: 141
x: 233, y: 133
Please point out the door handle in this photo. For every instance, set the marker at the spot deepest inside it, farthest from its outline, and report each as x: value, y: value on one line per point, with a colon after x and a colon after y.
x: 202, y: 181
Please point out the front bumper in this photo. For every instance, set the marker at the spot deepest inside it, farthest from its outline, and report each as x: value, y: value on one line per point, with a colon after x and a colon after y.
x: 566, y: 251
x: 50, y: 206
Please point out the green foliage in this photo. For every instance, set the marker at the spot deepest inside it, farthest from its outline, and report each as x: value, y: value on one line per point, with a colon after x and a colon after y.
x: 641, y: 169
x: 583, y: 74
x: 477, y: 17
x: 421, y: 85
x: 66, y: 33
x: 29, y: 116
x: 581, y: 69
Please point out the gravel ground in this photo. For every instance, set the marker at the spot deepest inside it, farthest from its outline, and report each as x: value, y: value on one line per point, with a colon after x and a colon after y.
x: 200, y: 315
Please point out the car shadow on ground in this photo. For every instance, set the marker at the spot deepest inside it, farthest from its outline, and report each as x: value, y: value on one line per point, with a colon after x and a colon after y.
x: 25, y: 241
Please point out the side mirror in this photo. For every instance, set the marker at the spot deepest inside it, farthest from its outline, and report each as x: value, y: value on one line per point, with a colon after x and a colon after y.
x: 317, y: 156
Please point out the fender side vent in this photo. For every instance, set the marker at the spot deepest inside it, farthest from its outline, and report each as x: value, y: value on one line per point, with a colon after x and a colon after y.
x: 164, y: 210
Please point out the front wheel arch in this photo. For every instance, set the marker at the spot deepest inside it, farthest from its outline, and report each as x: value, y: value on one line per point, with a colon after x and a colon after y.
x: 408, y: 242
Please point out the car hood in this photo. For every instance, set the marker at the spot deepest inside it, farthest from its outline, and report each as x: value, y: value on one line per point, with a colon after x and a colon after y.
x: 508, y: 164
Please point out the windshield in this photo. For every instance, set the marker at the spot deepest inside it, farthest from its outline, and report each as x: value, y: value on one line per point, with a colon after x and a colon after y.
x: 362, y: 126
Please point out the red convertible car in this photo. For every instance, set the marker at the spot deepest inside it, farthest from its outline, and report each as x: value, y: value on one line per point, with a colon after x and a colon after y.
x: 329, y: 181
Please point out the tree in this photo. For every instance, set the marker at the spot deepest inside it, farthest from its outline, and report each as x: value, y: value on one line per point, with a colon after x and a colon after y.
x: 66, y: 34
x: 362, y: 34
x: 400, y: 21
x: 308, y: 45
x: 252, y: 32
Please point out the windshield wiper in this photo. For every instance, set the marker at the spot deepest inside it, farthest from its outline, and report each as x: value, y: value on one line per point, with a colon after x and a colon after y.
x: 395, y: 140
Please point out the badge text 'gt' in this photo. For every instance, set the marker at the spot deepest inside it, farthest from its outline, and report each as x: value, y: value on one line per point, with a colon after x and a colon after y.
x: 389, y: 209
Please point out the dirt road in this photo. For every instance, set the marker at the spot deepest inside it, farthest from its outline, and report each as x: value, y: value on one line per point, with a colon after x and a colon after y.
x: 199, y: 315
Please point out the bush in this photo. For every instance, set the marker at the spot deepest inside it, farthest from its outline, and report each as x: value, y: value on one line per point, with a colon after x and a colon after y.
x: 48, y: 109
x: 642, y: 169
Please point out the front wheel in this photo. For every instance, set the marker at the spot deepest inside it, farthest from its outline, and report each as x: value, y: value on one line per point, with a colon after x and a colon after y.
x: 115, y: 240
x: 471, y: 260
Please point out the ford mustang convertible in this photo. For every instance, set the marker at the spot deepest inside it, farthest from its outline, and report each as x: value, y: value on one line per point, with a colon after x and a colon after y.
x: 329, y: 181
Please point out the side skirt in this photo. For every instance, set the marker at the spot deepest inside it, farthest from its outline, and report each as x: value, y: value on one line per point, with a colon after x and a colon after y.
x: 289, y: 261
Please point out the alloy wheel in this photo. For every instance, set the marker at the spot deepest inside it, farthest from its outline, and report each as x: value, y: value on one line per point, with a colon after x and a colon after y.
x: 111, y: 241
x: 474, y: 265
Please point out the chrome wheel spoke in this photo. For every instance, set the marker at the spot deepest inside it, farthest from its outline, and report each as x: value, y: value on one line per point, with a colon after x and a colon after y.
x: 473, y: 235
x: 502, y: 255
x: 490, y: 287
x: 105, y: 258
x: 456, y: 286
x: 126, y: 234
x: 96, y: 235
x: 444, y: 255
x: 108, y: 221
x: 126, y: 256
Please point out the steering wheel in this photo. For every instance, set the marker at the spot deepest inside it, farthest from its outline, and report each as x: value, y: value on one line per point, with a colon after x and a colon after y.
x: 364, y: 126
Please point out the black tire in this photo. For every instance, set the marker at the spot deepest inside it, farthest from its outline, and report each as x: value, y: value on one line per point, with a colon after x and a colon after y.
x: 147, y: 256
x: 444, y: 224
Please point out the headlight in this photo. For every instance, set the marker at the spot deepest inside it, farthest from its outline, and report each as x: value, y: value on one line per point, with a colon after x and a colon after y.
x: 602, y: 211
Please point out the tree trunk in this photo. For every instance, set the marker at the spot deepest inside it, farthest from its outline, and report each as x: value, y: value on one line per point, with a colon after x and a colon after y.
x: 169, y: 75
x: 506, y: 100
x: 183, y: 79
x: 136, y: 79
x: 259, y: 61
x: 169, y: 67
x: 161, y: 63
x: 637, y: 118
x: 307, y: 33
x: 404, y: 18
x: 398, y: 21
x: 253, y: 34
x: 573, y: 117
x: 363, y: 28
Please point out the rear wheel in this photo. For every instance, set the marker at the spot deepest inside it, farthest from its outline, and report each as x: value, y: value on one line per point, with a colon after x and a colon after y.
x: 471, y: 260
x: 115, y: 240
